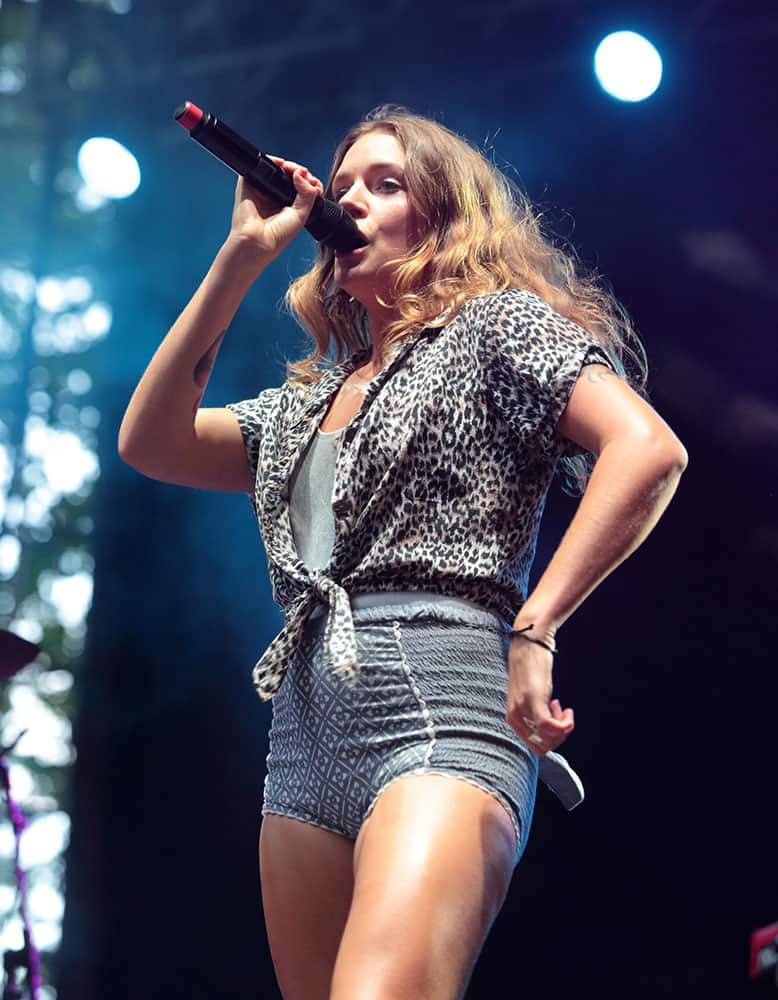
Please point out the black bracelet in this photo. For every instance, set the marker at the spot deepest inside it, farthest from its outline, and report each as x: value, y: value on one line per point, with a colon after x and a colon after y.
x: 532, y: 638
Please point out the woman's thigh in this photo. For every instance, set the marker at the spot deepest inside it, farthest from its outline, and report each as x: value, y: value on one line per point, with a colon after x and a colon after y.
x: 307, y: 880
x: 433, y: 864
x: 430, y: 705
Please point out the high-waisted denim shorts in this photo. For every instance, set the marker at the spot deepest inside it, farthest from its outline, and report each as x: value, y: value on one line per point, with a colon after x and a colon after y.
x: 431, y: 699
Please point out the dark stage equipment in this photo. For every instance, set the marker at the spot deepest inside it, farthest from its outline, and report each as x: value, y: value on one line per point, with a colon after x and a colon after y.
x: 764, y: 953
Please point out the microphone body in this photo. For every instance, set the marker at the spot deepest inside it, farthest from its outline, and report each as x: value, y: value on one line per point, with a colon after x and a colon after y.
x: 328, y: 222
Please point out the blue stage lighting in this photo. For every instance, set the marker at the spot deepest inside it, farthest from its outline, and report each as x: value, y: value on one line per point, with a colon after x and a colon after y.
x: 108, y: 168
x: 627, y: 66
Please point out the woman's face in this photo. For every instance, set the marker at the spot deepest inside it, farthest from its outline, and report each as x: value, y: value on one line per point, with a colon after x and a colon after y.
x: 370, y: 185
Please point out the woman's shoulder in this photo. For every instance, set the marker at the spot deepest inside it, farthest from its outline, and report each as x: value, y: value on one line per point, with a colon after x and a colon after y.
x: 519, y: 324
x: 483, y: 316
x: 521, y: 311
x: 504, y: 303
x: 509, y: 312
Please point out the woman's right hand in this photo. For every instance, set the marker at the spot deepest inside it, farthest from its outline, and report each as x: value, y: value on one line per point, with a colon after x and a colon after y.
x: 531, y: 713
x: 259, y: 225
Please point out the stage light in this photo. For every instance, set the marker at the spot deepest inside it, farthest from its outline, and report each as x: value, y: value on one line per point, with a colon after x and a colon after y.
x: 108, y: 168
x: 627, y: 66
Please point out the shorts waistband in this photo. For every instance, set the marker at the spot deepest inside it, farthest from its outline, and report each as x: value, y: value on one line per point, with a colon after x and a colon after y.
x: 382, y: 597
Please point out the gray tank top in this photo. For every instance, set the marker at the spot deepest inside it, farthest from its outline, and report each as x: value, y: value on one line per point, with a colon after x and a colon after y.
x: 310, y: 499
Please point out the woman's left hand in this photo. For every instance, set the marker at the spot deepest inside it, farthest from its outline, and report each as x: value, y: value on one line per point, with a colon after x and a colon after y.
x: 542, y: 724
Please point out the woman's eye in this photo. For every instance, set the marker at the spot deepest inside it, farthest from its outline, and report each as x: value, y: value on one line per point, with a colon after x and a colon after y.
x: 387, y: 184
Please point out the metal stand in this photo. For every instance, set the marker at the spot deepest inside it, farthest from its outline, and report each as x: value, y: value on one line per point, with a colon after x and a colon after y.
x: 25, y: 959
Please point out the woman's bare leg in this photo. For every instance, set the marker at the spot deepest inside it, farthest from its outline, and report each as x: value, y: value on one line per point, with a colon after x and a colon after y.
x: 433, y: 864
x: 307, y: 880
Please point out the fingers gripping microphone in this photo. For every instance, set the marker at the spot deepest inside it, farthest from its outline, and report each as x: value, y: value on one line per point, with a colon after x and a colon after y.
x: 328, y: 223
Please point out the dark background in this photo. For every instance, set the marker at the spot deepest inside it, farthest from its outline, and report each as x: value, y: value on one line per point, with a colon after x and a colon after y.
x: 654, y: 884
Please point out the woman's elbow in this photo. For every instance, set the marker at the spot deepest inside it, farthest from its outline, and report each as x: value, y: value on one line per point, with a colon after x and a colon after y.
x: 674, y: 456
x: 667, y: 457
x: 663, y: 453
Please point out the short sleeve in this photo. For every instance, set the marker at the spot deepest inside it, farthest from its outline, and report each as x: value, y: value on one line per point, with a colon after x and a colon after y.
x: 532, y: 357
x: 254, y: 417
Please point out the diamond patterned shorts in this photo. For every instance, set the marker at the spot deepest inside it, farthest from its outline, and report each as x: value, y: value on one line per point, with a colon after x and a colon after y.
x: 431, y: 699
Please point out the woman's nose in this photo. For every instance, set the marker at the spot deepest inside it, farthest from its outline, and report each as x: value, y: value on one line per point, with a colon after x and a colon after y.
x: 352, y: 202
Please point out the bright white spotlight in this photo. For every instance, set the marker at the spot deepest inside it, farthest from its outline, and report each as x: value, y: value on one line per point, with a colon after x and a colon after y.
x: 627, y: 66
x: 108, y: 168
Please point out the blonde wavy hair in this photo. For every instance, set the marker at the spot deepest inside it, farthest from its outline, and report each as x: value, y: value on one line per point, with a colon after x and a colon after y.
x: 477, y: 233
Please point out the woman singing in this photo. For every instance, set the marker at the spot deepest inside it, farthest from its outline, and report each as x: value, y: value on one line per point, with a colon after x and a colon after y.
x: 399, y: 476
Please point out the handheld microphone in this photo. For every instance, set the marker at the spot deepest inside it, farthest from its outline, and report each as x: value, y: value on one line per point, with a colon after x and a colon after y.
x: 328, y: 222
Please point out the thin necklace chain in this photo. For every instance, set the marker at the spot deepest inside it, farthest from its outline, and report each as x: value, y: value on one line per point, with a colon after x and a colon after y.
x: 357, y: 388
x: 359, y: 384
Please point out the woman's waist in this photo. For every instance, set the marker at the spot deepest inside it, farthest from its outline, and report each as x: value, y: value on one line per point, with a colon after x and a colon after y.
x: 380, y: 598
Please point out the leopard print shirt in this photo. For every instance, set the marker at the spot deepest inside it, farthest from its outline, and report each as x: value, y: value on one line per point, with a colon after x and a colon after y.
x: 442, y: 476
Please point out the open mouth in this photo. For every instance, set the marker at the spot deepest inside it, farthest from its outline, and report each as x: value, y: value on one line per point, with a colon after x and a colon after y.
x: 340, y: 254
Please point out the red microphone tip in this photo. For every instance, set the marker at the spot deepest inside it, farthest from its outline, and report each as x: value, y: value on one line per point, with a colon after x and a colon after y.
x: 188, y: 115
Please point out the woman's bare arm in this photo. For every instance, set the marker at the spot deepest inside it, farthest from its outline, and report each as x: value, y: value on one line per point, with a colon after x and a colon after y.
x: 164, y: 433
x: 639, y: 463
x: 159, y: 434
